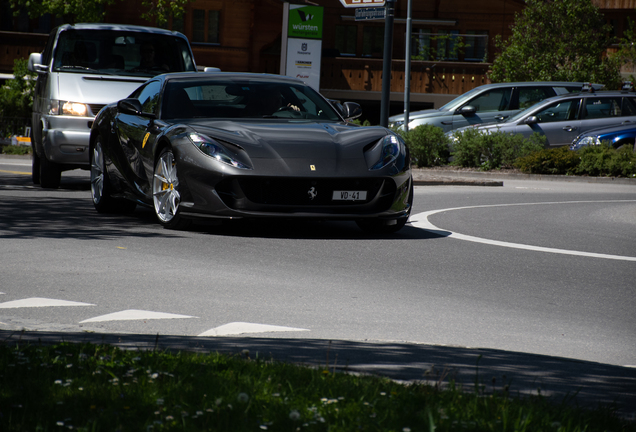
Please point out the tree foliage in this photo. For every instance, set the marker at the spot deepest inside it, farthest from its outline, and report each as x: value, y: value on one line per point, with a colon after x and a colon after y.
x: 156, y: 12
x: 557, y: 40
x: 16, y: 96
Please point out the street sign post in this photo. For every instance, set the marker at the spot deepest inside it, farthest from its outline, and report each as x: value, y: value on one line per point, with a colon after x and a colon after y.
x: 368, y: 13
x: 362, y: 3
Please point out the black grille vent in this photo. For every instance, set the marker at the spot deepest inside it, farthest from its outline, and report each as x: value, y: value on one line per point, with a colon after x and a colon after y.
x: 295, y: 194
x: 95, y: 108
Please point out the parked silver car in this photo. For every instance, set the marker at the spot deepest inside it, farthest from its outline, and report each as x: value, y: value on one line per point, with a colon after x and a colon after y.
x: 83, y: 68
x: 562, y: 118
x: 487, y: 103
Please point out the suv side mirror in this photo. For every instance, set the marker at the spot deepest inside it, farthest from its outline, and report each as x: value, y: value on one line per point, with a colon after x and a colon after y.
x: 531, y: 120
x: 467, y: 110
x: 35, y: 63
x: 132, y: 106
x: 351, y: 110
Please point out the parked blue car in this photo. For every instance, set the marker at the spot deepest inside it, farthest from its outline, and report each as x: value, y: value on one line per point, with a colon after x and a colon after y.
x: 616, y: 136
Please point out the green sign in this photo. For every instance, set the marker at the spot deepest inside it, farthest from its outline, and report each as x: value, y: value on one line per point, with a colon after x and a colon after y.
x: 305, y: 22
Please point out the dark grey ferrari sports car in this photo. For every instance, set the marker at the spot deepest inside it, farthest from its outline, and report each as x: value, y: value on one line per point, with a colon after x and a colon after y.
x: 238, y: 145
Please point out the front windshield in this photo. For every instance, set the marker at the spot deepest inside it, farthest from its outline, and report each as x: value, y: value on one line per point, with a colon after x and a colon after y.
x: 244, y: 98
x: 117, y: 52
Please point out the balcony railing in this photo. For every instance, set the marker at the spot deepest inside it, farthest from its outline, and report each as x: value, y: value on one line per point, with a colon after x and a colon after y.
x: 365, y: 74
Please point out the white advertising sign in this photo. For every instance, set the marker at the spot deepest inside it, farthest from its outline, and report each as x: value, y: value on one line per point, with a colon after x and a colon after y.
x: 303, y: 60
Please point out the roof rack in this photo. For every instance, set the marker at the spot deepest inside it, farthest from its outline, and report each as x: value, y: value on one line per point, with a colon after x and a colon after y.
x: 587, y: 87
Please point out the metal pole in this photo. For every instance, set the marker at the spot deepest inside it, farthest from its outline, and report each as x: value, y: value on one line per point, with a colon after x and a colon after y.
x: 407, y: 69
x: 386, y: 64
x: 283, y: 41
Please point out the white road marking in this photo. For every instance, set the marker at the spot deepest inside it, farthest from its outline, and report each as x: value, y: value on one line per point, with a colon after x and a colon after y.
x: 39, y: 302
x: 236, y: 328
x: 134, y: 314
x: 420, y: 220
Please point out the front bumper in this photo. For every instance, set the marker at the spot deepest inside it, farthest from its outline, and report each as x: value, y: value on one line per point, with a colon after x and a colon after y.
x: 66, y: 139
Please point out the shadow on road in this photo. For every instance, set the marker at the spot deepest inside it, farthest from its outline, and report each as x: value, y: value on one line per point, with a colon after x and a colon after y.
x: 587, y: 384
x: 32, y: 212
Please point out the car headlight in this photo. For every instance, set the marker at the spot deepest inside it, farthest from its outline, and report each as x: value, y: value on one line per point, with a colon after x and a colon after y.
x: 215, y: 150
x: 586, y: 141
x: 396, y: 123
x: 389, y: 152
x: 77, y: 109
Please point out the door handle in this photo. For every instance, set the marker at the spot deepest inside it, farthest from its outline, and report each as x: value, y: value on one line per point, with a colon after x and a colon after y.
x: 501, y: 117
x: 569, y: 128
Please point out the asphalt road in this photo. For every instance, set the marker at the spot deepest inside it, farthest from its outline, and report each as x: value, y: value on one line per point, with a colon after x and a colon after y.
x: 536, y: 277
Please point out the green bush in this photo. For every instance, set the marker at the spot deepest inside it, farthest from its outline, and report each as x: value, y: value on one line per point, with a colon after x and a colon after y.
x: 605, y: 160
x: 550, y: 161
x: 428, y: 145
x: 15, y: 150
x: 492, y: 150
x: 600, y: 160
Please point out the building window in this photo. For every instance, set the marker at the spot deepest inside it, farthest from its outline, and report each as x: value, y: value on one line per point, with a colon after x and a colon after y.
x: 476, y: 45
x: 205, y: 26
x: 346, y: 39
x: 447, y: 45
x: 178, y: 24
x: 372, y: 41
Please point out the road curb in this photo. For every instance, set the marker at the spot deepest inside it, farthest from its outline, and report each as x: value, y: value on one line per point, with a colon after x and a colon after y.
x: 430, y: 176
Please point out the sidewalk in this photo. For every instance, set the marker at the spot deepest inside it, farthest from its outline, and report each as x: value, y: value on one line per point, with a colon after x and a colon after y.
x: 463, y: 177
x: 458, y: 177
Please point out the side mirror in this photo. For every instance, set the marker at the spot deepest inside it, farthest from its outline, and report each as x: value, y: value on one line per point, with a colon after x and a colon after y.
x: 351, y: 110
x: 35, y: 63
x: 467, y: 110
x: 211, y: 69
x: 531, y: 120
x: 132, y: 106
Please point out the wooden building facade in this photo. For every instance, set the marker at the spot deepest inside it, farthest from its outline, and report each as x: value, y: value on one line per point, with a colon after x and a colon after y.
x: 451, y: 41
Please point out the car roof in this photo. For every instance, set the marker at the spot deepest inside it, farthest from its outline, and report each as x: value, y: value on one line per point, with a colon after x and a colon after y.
x: 118, y: 27
x: 199, y: 76
x: 538, y: 83
x: 585, y: 94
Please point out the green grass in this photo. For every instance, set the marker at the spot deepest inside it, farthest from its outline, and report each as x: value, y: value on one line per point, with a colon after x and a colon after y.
x: 103, y: 388
x: 15, y: 150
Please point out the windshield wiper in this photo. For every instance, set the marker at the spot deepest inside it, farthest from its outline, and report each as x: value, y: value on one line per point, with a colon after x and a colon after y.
x: 83, y: 68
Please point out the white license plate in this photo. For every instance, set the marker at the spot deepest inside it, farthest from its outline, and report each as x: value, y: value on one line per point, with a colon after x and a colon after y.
x: 349, y: 195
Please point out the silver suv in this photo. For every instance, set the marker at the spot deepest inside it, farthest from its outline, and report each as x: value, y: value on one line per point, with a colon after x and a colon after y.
x: 83, y: 68
x: 562, y: 118
x: 487, y: 104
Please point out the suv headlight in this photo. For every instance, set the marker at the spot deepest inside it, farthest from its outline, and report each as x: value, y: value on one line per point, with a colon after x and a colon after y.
x: 215, y: 150
x: 58, y: 107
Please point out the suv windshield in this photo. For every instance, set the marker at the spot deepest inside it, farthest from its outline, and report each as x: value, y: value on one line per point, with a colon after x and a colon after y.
x: 109, y: 52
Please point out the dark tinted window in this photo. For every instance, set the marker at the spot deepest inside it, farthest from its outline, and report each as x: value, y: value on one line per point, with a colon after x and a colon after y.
x: 602, y: 107
x: 558, y: 111
x: 492, y: 100
x: 148, y: 95
x: 529, y: 96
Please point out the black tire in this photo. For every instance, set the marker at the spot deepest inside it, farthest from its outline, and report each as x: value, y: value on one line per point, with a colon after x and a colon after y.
x: 50, y: 174
x: 35, y: 168
x: 166, y: 196
x: 100, y: 184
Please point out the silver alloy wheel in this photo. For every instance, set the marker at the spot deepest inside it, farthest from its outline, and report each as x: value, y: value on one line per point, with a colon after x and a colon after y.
x: 165, y: 186
x: 97, y: 173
